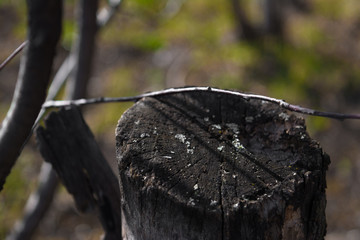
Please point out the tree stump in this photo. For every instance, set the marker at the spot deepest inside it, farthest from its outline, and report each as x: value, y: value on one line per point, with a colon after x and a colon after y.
x: 205, y: 165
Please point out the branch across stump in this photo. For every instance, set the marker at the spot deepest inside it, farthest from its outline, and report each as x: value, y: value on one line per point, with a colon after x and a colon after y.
x: 205, y: 165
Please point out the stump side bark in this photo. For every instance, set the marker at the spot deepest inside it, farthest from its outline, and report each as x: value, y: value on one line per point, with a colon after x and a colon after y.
x: 214, y: 166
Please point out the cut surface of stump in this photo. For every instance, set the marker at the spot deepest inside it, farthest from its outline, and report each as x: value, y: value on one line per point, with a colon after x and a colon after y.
x: 205, y: 165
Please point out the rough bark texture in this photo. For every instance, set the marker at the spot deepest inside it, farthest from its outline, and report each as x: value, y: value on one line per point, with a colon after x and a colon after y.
x: 212, y: 166
x: 68, y: 144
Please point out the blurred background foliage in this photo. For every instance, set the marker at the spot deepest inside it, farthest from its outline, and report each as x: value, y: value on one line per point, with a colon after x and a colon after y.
x: 156, y: 44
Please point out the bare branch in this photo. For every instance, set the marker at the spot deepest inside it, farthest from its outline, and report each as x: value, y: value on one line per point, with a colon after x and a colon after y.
x: 36, y: 205
x: 40, y: 200
x: 83, y: 49
x: 103, y: 18
x: 44, y: 32
x: 12, y: 55
x: 281, y: 103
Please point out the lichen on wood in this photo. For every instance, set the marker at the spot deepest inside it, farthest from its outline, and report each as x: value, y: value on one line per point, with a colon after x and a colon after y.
x: 212, y: 166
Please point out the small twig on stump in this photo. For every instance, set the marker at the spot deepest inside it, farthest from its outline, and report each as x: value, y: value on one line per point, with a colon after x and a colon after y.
x: 281, y: 103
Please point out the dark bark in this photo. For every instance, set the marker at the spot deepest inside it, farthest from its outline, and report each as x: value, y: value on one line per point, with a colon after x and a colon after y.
x: 68, y: 144
x: 207, y: 165
x: 44, y: 20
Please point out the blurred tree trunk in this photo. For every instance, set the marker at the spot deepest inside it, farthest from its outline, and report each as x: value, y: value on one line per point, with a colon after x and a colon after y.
x: 244, y: 29
x: 274, y: 18
x: 273, y: 24
x: 303, y: 6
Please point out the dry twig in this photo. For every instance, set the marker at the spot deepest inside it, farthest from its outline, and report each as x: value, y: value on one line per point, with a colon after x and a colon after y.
x: 13, y: 54
x: 281, y: 103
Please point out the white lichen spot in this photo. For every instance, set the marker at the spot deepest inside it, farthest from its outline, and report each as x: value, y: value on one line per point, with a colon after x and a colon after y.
x: 236, y: 205
x: 236, y: 143
x: 181, y: 137
x: 137, y: 122
x: 234, y: 176
x: 220, y: 148
x: 189, y: 150
x: 249, y: 119
x: 213, y: 202
x: 189, y: 165
x: 206, y: 119
x: 196, y: 187
x: 234, y: 127
x: 143, y: 135
x: 284, y: 116
x: 191, y: 202
x: 217, y: 126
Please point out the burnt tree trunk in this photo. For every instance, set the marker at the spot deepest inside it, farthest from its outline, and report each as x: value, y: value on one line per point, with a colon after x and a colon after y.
x: 213, y: 166
x: 68, y: 144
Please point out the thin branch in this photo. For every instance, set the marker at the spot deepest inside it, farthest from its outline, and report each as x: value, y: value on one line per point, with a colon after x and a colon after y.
x: 36, y: 205
x: 40, y: 200
x: 12, y: 55
x: 34, y: 75
x: 103, y: 18
x: 106, y: 13
x: 83, y: 49
x: 281, y: 103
